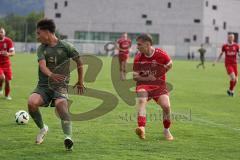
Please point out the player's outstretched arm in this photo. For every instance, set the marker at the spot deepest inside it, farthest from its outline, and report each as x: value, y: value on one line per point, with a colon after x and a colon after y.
x: 117, y: 46
x: 11, y: 53
x: 218, y: 58
x: 168, y: 66
x: 79, y: 84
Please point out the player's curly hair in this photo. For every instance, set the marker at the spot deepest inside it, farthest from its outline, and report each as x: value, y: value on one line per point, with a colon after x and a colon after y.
x: 146, y: 38
x: 46, y: 24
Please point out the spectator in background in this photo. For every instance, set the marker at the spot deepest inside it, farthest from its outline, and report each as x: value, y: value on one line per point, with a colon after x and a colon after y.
x: 202, y: 52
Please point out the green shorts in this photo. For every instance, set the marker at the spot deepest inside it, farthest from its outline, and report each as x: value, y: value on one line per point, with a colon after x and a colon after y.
x: 49, y: 96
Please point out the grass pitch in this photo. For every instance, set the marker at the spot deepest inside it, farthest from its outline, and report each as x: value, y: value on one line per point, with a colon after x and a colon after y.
x: 206, y: 123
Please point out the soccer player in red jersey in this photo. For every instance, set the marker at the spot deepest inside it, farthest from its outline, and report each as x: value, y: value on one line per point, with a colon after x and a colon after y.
x: 6, y: 50
x: 124, y: 44
x: 231, y: 50
x: 149, y: 71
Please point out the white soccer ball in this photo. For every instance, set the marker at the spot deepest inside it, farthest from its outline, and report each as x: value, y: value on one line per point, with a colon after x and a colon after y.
x: 22, y: 117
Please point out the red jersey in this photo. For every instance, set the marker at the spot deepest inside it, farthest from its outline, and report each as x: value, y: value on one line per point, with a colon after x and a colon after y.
x: 152, y: 65
x: 231, y: 52
x: 5, y: 45
x: 124, y: 44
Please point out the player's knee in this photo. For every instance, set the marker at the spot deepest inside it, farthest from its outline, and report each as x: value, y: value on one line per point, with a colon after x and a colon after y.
x: 32, y: 105
x: 166, y: 107
x: 232, y: 77
x: 142, y: 101
x: 121, y: 69
x: 7, y: 82
x: 2, y: 78
x: 62, y: 102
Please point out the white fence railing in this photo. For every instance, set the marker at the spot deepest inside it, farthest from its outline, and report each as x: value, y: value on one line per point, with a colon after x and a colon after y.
x: 97, y: 48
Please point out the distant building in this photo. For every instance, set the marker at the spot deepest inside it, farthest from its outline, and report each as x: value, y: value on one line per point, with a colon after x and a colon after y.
x: 181, y: 23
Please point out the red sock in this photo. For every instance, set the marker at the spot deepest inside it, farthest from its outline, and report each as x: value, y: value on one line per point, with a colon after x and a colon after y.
x: 235, y: 82
x: 232, y: 85
x: 7, y: 88
x: 166, y: 123
x: 141, y: 121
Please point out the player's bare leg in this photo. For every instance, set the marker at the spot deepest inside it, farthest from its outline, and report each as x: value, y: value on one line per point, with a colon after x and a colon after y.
x: 7, y: 90
x: 164, y: 102
x: 62, y: 110
x: 232, y: 84
x: 34, y: 101
x: 123, y: 70
x: 2, y: 78
x: 141, y: 110
x: 124, y: 65
x: 201, y: 64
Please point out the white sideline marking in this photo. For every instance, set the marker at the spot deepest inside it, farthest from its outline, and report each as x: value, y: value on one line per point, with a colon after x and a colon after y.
x: 211, y: 123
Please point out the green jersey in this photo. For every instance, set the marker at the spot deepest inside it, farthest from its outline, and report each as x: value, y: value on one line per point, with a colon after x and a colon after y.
x: 55, y: 56
x: 202, y: 52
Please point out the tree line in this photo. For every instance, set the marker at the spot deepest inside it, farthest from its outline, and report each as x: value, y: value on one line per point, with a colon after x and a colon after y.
x: 21, y: 28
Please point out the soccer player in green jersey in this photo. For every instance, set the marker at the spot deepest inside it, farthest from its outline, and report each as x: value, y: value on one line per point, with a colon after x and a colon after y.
x: 51, y: 53
x: 202, y: 52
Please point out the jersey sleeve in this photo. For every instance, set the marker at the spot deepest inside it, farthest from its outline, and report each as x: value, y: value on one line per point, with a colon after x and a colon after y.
x: 10, y: 45
x: 72, y: 51
x: 40, y: 53
x: 223, y: 48
x: 166, y: 58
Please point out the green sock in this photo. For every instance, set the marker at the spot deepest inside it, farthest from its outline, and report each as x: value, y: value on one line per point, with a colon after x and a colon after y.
x: 67, y: 128
x: 37, y: 117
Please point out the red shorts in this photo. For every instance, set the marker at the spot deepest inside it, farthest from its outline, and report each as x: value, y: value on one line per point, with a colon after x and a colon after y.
x: 232, y: 68
x: 153, y: 91
x: 123, y: 57
x: 7, y: 72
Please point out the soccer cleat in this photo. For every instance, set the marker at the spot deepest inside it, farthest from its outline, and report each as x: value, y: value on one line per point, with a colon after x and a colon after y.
x: 167, y: 134
x: 140, y: 131
x: 8, y: 98
x: 230, y: 93
x: 68, y: 143
x: 42, y: 133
